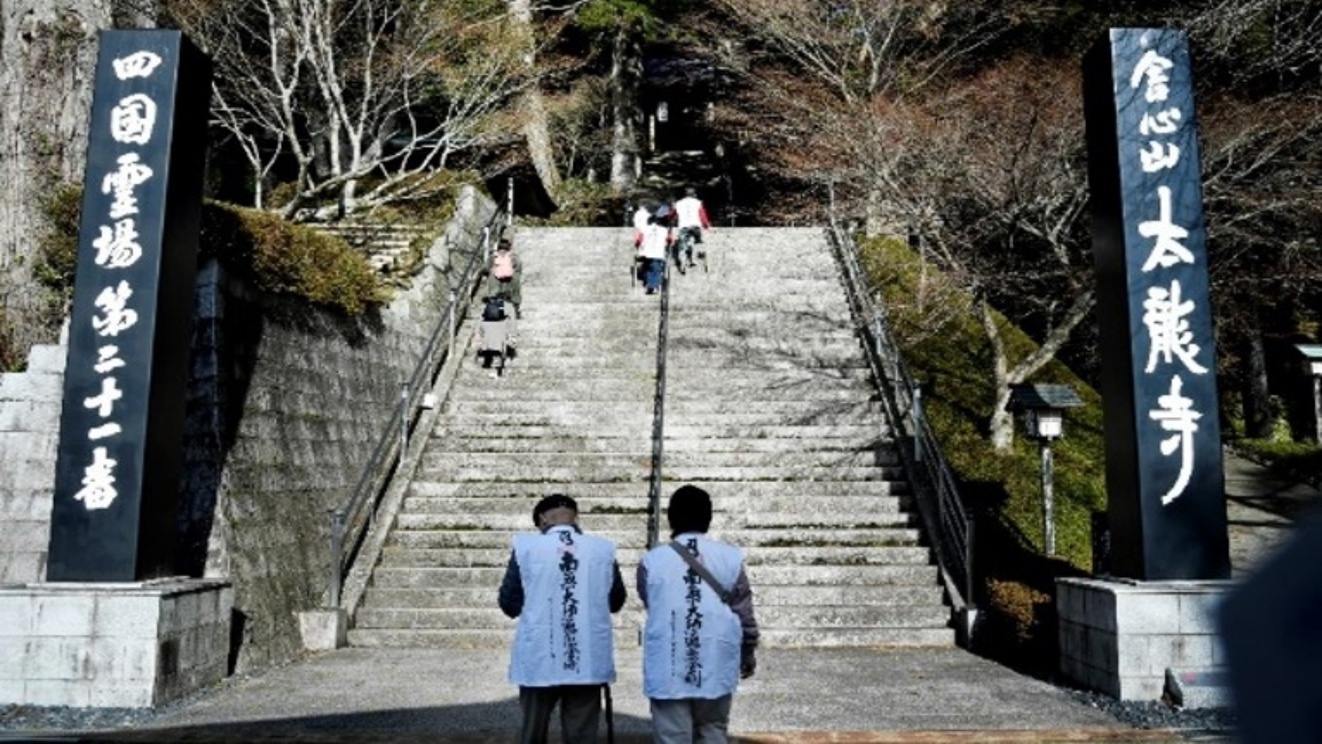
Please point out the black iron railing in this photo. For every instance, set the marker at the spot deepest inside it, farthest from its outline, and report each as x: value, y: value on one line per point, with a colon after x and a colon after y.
x: 350, y: 521
x: 948, y: 523
x: 659, y: 413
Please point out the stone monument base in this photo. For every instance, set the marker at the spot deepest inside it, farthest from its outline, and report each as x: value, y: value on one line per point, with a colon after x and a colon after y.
x: 1120, y: 636
x: 120, y: 645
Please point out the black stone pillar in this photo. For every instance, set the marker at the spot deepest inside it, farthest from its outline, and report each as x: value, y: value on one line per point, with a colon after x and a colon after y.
x: 120, y: 451
x: 1163, y: 440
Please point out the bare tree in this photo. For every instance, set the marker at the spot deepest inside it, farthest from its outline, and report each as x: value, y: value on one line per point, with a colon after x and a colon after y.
x: 1264, y: 212
x: 861, y: 48
x: 991, y: 176
x: 354, y: 92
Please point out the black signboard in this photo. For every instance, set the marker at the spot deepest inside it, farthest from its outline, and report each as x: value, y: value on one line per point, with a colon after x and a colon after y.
x: 120, y: 451
x: 1163, y: 440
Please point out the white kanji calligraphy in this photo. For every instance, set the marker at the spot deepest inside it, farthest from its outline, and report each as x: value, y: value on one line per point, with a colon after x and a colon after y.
x: 1176, y: 415
x: 1152, y: 71
x: 98, y: 491
x: 1162, y: 122
x: 140, y: 64
x: 1168, y: 250
x: 107, y: 359
x: 118, y: 248
x: 1159, y: 156
x: 130, y: 174
x: 103, y: 431
x: 1166, y: 318
x: 117, y: 316
x: 133, y: 119
x: 104, y: 402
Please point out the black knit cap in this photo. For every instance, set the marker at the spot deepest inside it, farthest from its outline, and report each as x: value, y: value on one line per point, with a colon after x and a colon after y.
x: 554, y: 501
x: 689, y: 510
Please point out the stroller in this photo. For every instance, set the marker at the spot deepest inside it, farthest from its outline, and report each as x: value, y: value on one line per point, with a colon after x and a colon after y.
x: 495, y: 335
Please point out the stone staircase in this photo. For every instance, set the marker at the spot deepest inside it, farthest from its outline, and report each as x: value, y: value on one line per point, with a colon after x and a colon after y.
x: 386, y: 247
x: 768, y: 407
x: 573, y: 413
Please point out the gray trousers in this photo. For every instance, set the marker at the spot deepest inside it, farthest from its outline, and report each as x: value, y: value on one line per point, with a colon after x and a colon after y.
x: 580, y: 713
x: 691, y: 720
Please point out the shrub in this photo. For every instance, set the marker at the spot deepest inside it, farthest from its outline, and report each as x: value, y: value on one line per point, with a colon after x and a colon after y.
x: 287, y: 258
x: 57, y: 247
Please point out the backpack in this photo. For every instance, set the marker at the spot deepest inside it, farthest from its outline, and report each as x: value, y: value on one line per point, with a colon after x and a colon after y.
x: 502, y: 266
x: 494, y: 310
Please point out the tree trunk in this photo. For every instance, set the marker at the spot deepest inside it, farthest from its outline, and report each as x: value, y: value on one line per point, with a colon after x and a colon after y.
x: 624, y: 105
x: 1258, y: 421
x: 1000, y: 425
x: 536, y: 128
x: 1001, y: 422
x: 47, y: 61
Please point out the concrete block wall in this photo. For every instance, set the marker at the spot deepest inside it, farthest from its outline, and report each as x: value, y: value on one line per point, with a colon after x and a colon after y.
x: 112, y: 646
x: 1120, y: 637
x: 29, y: 434
x: 286, y: 402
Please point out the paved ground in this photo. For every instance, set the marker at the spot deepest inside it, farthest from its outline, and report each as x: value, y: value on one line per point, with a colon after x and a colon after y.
x: 444, y: 696
x: 1261, y: 508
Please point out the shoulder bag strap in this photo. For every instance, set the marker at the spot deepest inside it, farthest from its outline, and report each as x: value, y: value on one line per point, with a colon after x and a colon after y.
x: 725, y: 594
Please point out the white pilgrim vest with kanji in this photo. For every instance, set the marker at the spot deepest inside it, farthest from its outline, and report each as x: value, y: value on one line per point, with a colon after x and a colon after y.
x: 691, y: 639
x: 564, y: 633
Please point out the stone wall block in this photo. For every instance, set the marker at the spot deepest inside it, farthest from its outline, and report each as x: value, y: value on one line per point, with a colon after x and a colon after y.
x: 126, y: 617
x: 55, y: 692
x: 31, y: 387
x: 1198, y: 612
x: 1142, y: 612
x: 63, y: 615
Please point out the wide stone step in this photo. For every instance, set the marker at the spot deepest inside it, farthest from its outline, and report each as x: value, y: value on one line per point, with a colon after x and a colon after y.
x: 581, y: 419
x: 407, y: 522
x: 401, y: 557
x: 496, y: 462
x: 856, y: 380
x: 628, y: 471
x: 628, y: 638
x: 626, y: 521
x: 777, y: 617
x: 789, y: 458
x: 763, y: 596
x: 787, y: 411
x: 821, y: 637
x: 458, y: 639
x: 463, y: 618
x: 724, y: 437
x: 681, y: 472
x: 579, y: 489
x: 519, y: 441
x: 734, y: 502
x: 772, y: 596
x: 508, y: 445
x: 842, y: 576
x: 634, y: 536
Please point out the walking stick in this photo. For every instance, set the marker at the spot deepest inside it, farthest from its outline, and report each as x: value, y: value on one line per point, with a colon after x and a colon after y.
x: 610, y: 715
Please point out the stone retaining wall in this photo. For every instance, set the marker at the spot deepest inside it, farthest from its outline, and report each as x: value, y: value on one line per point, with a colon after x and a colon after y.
x: 286, y: 403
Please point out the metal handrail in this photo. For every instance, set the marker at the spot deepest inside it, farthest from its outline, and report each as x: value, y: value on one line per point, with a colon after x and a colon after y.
x: 349, y: 521
x: 938, y: 499
x: 659, y: 413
